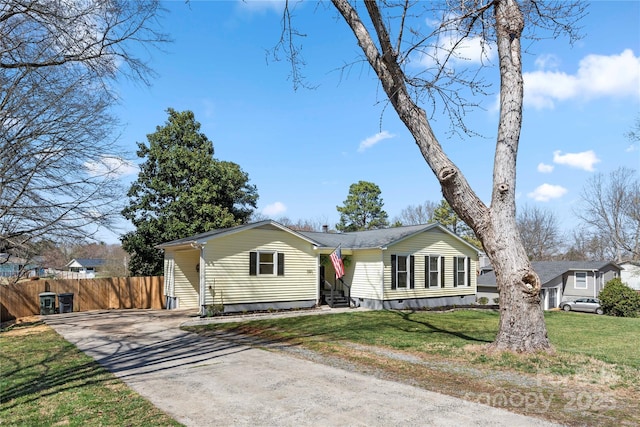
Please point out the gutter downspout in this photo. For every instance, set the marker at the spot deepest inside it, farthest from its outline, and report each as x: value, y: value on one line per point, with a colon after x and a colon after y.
x: 201, y: 279
x: 382, y: 252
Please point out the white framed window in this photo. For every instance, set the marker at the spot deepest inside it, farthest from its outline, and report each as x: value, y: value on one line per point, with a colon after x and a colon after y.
x: 461, y: 271
x: 402, y: 275
x: 432, y: 271
x: 266, y: 263
x: 581, y: 279
x: 402, y: 271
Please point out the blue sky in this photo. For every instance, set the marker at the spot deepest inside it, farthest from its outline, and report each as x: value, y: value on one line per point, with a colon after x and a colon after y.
x: 303, y: 149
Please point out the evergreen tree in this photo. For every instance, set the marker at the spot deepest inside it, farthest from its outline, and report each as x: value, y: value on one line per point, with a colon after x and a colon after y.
x: 362, y: 210
x: 447, y: 217
x: 181, y: 190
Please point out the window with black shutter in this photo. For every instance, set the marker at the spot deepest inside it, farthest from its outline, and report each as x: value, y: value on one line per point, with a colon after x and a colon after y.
x: 266, y: 263
x: 402, y: 276
x: 393, y: 272
x: 280, y: 264
x: 459, y: 271
x: 432, y: 271
x: 412, y: 268
x: 253, y: 263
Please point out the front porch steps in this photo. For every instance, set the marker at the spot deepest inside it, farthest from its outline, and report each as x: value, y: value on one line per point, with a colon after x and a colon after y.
x: 338, y: 300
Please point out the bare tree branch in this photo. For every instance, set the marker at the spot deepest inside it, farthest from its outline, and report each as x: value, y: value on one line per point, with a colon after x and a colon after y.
x: 59, y: 162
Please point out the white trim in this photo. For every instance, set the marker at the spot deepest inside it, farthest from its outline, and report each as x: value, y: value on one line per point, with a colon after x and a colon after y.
x: 465, y: 281
x: 407, y: 272
x: 274, y: 263
x: 438, y: 265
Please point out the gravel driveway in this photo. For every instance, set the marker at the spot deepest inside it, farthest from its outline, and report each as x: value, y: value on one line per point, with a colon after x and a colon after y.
x: 217, y: 382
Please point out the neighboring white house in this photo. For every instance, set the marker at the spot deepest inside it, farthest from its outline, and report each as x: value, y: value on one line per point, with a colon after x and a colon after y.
x: 266, y: 265
x: 630, y: 274
x: 561, y: 280
x: 85, y: 267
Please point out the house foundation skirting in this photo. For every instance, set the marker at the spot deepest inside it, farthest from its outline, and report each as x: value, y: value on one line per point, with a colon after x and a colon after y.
x: 263, y: 306
x: 414, y: 303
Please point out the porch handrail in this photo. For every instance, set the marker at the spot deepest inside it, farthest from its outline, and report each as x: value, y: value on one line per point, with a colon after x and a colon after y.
x: 332, y: 286
x: 348, y: 289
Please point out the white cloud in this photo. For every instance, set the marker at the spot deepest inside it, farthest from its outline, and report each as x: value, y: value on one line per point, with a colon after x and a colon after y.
x: 373, y: 140
x: 262, y: 5
x: 544, y: 168
x: 631, y: 148
x: 584, y: 160
x: 546, y: 192
x: 597, y: 76
x: 449, y: 46
x: 274, y: 209
x: 470, y: 50
x: 112, y: 166
x: 547, y: 61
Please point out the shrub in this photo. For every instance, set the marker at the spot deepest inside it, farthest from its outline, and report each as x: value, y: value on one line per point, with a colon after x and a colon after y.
x: 496, y: 300
x: 618, y: 299
x: 483, y: 300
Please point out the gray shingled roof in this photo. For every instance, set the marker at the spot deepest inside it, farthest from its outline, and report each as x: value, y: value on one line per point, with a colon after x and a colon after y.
x: 88, y: 262
x: 549, y: 270
x: 366, y: 239
x: 352, y: 240
x: 207, y: 235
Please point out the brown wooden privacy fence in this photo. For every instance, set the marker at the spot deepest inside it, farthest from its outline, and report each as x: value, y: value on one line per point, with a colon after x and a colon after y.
x: 22, y: 299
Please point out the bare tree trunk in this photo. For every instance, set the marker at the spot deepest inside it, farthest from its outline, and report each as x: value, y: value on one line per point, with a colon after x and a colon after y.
x: 522, y: 327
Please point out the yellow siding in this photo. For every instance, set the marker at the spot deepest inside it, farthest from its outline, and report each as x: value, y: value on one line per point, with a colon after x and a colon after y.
x: 227, y: 269
x: 366, y: 268
x: 432, y: 242
x: 186, y: 278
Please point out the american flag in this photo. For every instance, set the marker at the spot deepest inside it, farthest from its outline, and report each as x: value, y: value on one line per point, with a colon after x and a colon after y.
x: 336, y: 260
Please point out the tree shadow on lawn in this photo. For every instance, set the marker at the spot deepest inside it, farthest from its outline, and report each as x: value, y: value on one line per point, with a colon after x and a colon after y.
x: 406, y: 316
x: 49, y: 381
x: 124, y: 359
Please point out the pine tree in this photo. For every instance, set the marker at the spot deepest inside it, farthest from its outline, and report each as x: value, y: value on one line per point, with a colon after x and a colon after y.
x: 362, y: 210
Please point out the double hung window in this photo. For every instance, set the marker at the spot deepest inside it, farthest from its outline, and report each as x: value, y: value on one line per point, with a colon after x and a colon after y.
x: 266, y: 263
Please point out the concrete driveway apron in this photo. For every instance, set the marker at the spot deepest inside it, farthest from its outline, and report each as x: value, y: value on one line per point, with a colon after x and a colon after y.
x: 218, y: 382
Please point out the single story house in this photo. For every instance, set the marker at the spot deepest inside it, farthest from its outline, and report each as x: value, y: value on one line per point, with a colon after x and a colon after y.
x: 85, y: 265
x: 561, y: 280
x: 11, y: 266
x: 266, y: 265
x: 630, y: 274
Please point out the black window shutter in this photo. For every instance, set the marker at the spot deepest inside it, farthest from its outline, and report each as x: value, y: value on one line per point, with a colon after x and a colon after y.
x: 442, y: 272
x: 280, y: 264
x: 455, y: 272
x: 253, y: 261
x: 427, y: 275
x: 393, y: 271
x: 412, y: 280
x: 468, y: 271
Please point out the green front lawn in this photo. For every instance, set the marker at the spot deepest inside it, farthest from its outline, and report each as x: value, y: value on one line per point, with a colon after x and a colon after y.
x: 613, y: 340
x: 46, y: 381
x: 592, y: 378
